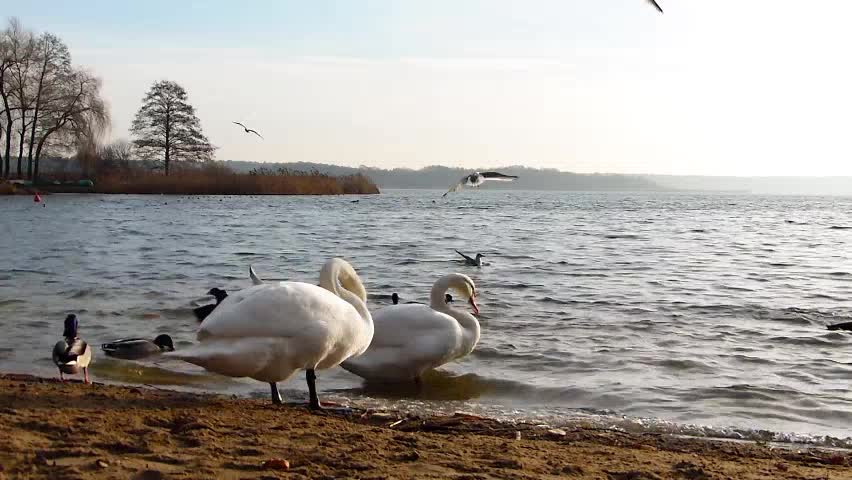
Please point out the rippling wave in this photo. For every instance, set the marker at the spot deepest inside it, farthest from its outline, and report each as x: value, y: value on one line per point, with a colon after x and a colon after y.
x: 693, y: 314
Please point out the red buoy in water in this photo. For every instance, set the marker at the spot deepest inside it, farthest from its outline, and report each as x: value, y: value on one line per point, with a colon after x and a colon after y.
x: 37, y: 198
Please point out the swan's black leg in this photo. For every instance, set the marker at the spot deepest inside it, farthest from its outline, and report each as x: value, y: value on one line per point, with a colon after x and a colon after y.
x: 276, y: 397
x: 311, y: 377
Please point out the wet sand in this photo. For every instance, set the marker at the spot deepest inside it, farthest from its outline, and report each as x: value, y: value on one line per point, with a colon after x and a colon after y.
x: 77, y: 431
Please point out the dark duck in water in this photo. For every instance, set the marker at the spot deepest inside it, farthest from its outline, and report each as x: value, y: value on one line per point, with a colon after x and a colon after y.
x: 136, y: 348
x: 202, y: 312
x: 841, y: 326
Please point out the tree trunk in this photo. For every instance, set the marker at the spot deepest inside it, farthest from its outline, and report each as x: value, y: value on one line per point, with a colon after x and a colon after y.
x: 32, y: 137
x: 21, y: 136
x: 168, y: 144
x: 35, y: 166
x: 38, y: 103
x: 40, y: 146
x: 38, y: 156
x: 9, y: 143
x: 4, y: 162
x: 8, y: 112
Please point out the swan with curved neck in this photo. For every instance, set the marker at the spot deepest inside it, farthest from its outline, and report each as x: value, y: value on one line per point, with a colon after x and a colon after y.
x: 270, y: 331
x: 412, y: 339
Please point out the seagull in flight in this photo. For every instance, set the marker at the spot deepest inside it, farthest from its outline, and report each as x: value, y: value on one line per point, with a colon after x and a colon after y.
x: 248, y: 130
x: 476, y: 179
x: 656, y: 5
x: 473, y: 262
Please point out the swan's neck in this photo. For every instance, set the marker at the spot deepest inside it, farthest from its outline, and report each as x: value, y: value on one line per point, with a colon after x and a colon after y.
x: 333, y: 278
x: 469, y: 323
x: 355, y: 301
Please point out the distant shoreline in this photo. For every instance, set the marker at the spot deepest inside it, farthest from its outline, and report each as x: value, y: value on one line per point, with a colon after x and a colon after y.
x: 206, y: 183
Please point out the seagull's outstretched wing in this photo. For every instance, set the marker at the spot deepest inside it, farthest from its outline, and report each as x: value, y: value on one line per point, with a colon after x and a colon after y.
x: 254, y: 132
x: 498, y: 176
x: 466, y: 258
x: 240, y: 124
x: 458, y: 186
x: 655, y: 4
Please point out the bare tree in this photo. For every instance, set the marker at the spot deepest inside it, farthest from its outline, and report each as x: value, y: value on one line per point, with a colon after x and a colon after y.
x: 46, y: 101
x: 115, y: 156
x: 23, y: 53
x: 74, y: 112
x: 14, y: 52
x: 5, y: 65
x: 52, y: 71
x: 167, y: 129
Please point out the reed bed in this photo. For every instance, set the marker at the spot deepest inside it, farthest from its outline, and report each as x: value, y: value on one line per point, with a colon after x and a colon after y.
x: 201, y: 182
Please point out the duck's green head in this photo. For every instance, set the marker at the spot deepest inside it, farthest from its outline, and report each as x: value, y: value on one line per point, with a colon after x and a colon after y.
x: 70, y: 326
x: 165, y: 343
x: 218, y: 294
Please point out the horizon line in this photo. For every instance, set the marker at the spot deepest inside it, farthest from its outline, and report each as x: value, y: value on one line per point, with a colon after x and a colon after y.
x: 361, y: 167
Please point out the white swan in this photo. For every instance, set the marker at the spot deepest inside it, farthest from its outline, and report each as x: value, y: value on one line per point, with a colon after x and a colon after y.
x: 414, y: 338
x: 271, y: 330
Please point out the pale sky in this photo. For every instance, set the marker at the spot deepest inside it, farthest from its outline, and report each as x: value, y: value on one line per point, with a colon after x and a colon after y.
x: 715, y: 87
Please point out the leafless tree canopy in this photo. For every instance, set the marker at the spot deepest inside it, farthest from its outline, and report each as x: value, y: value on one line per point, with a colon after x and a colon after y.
x: 46, y: 104
x: 166, y: 128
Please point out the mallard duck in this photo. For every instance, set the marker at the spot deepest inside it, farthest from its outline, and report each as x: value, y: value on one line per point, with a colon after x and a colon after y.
x: 202, y: 312
x: 136, y: 348
x: 72, y: 354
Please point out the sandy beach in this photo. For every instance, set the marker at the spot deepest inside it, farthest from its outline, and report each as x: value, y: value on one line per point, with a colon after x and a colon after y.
x: 78, y: 431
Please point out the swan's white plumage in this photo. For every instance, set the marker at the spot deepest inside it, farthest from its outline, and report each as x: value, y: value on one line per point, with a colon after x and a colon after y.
x: 412, y: 339
x: 270, y: 331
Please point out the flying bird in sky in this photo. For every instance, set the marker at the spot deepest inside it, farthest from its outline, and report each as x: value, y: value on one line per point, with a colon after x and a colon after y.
x: 248, y: 130
x: 656, y: 5
x: 476, y: 179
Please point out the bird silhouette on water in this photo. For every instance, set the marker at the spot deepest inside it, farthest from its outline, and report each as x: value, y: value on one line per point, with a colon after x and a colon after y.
x: 841, y: 326
x: 473, y: 262
x: 202, y: 312
x: 395, y: 298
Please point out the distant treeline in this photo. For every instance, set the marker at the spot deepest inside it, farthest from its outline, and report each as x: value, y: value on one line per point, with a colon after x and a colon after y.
x: 439, y: 177
x: 550, y: 179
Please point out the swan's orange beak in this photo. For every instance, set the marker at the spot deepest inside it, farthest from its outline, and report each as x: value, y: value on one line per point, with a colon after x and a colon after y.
x: 472, y: 302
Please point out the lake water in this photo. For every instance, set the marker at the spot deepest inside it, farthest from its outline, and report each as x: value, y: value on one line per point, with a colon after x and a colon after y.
x: 691, y: 313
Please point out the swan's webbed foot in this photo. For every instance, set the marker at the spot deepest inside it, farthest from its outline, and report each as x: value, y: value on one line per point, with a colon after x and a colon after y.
x: 276, y: 396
